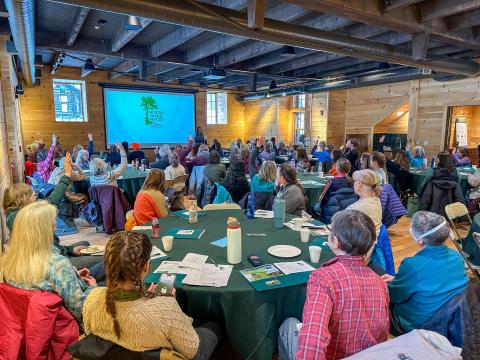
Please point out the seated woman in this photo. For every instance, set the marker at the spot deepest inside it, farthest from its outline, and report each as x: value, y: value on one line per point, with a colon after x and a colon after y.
x: 20, y: 195
x: 32, y: 263
x: 377, y: 164
x: 213, y: 172
x: 336, y: 154
x: 290, y: 190
x: 267, y: 153
x: 77, y: 148
x: 174, y: 170
x: 161, y: 155
x: 474, y: 193
x: 150, y: 202
x: 201, y: 158
x: 264, y: 181
x: 140, y: 320
x: 427, y: 281
x: 82, y: 160
x: 400, y: 167
x: 236, y: 182
x: 234, y: 154
x: 367, y: 186
x: 98, y: 170
x: 340, y: 181
x: 364, y: 161
x: 303, y: 163
x: 282, y: 149
x: 419, y: 159
x: 217, y: 147
x: 460, y: 157
x: 113, y: 157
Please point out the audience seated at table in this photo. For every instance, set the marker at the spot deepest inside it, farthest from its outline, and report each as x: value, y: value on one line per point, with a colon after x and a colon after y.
x: 150, y: 202
x: 346, y: 309
x: 416, y: 161
x: 31, y: 261
x: 126, y: 148
x: 302, y: 162
x: 290, y: 190
x: 82, y: 160
x: 340, y: 181
x: 113, y: 157
x: 267, y: 153
x: 139, y: 319
x: 200, y: 158
x: 474, y: 193
x: 282, y: 149
x: 264, y: 181
x: 217, y: 147
x: 427, y: 281
x: 443, y: 187
x: 336, y: 154
x: 234, y: 154
x: 367, y: 186
x: 33, y: 148
x: 351, y: 153
x: 99, y: 173
x: 400, y: 167
x: 245, y: 158
x: 45, y: 161
x: 460, y: 157
x: 214, y: 172
x: 136, y: 154
x: 162, y: 159
x: 377, y: 164
x: 321, y: 152
x: 183, y: 152
x: 236, y: 182
x: 77, y: 148
x: 174, y: 170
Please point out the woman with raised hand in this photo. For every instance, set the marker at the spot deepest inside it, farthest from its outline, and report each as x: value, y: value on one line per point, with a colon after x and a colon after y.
x: 32, y: 263
x: 139, y: 320
x: 98, y: 169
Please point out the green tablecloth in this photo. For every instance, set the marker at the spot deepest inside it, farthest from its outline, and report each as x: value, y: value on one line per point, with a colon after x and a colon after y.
x: 131, y: 182
x: 421, y: 176
x: 251, y: 318
x: 312, y: 191
x: 470, y: 246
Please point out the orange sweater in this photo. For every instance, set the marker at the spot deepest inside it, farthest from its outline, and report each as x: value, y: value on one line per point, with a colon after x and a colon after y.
x: 149, y: 205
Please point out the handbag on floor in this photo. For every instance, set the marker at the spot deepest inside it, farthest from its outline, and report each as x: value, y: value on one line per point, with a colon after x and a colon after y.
x: 413, y: 205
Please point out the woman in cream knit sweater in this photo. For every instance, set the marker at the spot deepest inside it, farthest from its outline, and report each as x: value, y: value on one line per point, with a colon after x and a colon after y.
x: 136, y: 319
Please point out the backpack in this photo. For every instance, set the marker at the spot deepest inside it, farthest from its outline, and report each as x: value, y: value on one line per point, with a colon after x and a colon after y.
x: 92, y: 214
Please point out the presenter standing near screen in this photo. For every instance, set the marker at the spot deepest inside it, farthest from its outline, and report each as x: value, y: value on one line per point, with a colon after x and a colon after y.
x: 200, y: 138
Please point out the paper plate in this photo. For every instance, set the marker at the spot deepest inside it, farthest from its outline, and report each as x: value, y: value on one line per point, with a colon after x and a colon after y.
x: 95, y: 249
x: 284, y: 251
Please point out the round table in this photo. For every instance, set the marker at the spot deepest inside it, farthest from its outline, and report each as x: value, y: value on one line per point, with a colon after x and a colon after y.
x: 469, y: 245
x: 131, y: 182
x: 421, y: 176
x: 251, y: 318
x: 312, y: 191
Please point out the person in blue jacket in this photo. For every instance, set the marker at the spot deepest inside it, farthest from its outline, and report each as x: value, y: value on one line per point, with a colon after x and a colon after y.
x: 427, y: 281
x: 418, y: 159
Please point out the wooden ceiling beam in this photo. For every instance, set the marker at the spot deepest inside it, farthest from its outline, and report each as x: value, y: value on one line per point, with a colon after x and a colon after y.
x: 400, y: 20
x: 256, y: 13
x: 124, y: 68
x: 80, y: 17
x: 464, y: 20
x: 435, y: 9
x: 96, y: 60
x: 396, y: 4
x: 123, y: 36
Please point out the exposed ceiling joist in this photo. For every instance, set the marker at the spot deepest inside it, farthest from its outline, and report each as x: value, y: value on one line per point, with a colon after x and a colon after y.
x: 256, y: 13
x: 435, y: 9
x: 183, y: 34
x: 96, y: 60
x: 464, y: 20
x: 274, y: 58
x: 123, y: 36
x: 80, y: 17
x: 401, y: 19
x: 395, y: 4
x: 124, y: 68
x: 176, y: 73
x: 285, y: 12
x: 160, y: 68
x: 420, y: 46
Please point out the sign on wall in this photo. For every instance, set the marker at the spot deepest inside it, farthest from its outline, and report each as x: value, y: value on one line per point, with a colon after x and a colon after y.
x: 461, y: 131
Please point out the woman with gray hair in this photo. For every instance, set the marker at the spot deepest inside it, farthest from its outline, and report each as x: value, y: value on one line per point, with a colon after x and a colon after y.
x: 161, y: 155
x: 418, y: 159
x: 427, y: 281
x: 234, y: 152
x: 267, y: 153
x: 175, y: 169
x: 98, y: 169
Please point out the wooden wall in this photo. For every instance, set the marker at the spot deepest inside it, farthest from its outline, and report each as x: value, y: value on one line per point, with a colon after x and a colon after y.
x: 319, y: 116
x: 337, y: 117
x: 38, y: 117
x: 472, y: 115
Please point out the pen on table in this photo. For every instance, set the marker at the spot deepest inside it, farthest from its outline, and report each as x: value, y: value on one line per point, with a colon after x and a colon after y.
x: 255, y: 234
x: 213, y: 261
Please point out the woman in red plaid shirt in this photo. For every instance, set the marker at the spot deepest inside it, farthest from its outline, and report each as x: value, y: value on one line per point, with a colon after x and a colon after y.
x: 346, y: 310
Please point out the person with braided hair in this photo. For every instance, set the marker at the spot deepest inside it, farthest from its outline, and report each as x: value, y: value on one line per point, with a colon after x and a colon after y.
x: 138, y: 319
x: 290, y: 190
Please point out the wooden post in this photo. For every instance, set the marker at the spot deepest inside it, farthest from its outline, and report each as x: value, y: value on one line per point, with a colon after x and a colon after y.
x: 412, y: 114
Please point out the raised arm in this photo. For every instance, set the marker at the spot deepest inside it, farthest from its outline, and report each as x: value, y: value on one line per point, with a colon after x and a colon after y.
x: 123, y: 161
x: 90, y: 144
x: 59, y: 191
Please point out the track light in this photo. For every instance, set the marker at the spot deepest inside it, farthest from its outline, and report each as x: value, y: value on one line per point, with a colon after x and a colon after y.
x: 131, y: 22
x: 89, y: 65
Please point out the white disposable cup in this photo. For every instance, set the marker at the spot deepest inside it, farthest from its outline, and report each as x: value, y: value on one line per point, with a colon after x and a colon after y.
x: 320, y: 174
x: 298, y: 223
x: 315, y: 252
x: 304, y: 235
x: 167, y: 242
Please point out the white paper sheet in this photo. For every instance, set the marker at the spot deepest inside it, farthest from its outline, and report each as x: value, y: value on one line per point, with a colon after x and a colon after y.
x: 156, y: 253
x: 142, y: 228
x: 171, y: 267
x: 264, y: 214
x: 209, y: 275
x: 291, y: 267
x: 193, y: 261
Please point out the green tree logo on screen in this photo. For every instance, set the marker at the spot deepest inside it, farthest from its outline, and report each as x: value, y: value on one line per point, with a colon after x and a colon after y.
x: 148, y: 104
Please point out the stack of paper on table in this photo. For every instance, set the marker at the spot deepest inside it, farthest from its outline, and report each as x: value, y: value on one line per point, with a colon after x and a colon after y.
x: 209, y: 275
x: 143, y: 227
x: 291, y: 267
x: 184, y: 233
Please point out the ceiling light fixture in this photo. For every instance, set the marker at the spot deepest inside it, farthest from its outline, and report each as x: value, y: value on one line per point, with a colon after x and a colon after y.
x: 99, y: 24
x: 131, y: 22
x: 399, y: 113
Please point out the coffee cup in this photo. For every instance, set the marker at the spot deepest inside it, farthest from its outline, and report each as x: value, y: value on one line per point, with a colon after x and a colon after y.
x: 298, y: 223
x: 315, y: 252
x: 167, y: 242
x: 304, y: 235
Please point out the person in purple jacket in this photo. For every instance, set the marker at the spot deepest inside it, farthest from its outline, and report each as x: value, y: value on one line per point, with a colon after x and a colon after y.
x: 460, y: 157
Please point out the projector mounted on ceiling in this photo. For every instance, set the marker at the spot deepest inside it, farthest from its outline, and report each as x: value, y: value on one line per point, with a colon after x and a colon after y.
x: 214, y: 74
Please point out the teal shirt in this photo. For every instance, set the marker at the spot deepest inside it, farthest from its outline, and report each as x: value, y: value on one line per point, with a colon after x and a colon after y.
x: 257, y: 184
x: 424, y: 283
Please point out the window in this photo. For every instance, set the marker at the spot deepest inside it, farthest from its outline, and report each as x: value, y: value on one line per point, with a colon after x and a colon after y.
x: 300, y: 101
x: 299, y: 119
x: 70, y: 100
x: 216, y: 108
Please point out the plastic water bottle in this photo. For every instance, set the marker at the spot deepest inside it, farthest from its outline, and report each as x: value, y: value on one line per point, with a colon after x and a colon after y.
x: 234, y: 241
x: 320, y: 169
x: 433, y: 162
x: 278, y: 212
x: 155, y: 229
x: 192, y: 213
x: 251, y: 206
